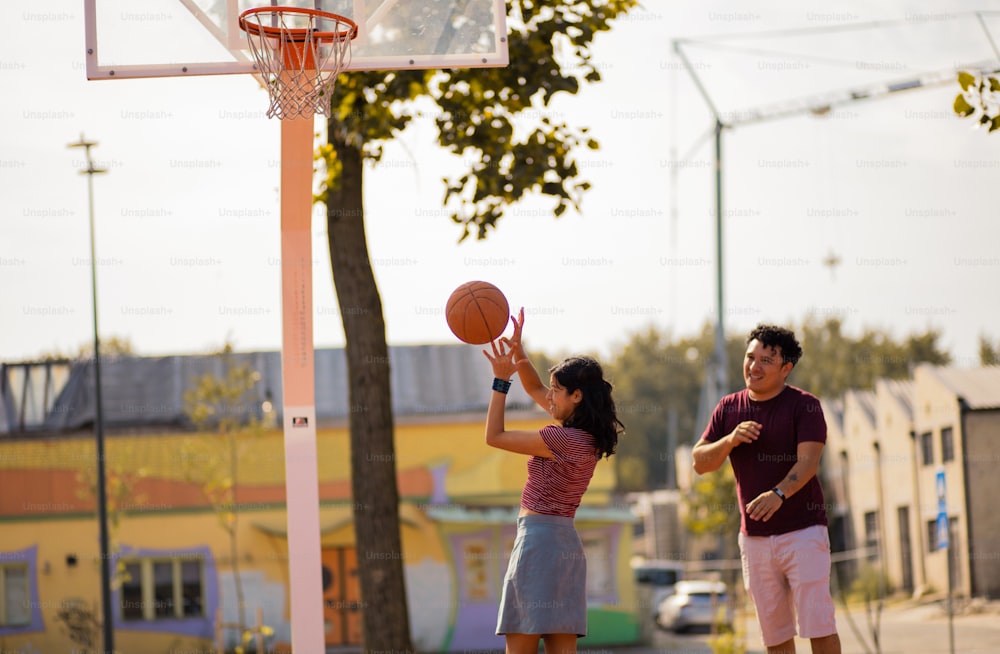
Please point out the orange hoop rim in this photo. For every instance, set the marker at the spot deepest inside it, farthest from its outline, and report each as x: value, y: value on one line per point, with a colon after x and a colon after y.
x: 293, y: 34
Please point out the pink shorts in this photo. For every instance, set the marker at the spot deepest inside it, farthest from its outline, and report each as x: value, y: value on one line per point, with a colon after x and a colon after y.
x: 788, y: 577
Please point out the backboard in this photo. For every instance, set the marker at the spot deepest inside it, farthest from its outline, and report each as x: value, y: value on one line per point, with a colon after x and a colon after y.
x: 178, y: 38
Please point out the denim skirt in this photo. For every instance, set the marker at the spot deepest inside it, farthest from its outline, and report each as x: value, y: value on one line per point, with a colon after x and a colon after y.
x: 545, y: 588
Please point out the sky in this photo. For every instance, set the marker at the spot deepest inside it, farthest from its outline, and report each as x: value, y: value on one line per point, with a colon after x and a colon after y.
x: 187, y: 239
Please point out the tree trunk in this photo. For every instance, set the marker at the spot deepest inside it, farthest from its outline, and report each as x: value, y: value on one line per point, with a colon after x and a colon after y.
x: 386, y: 624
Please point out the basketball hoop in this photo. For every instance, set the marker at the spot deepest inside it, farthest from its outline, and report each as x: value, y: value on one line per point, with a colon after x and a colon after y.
x: 299, y: 53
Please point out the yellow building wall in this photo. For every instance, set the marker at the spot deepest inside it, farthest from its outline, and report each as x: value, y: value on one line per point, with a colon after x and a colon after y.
x: 474, y: 469
x: 474, y: 474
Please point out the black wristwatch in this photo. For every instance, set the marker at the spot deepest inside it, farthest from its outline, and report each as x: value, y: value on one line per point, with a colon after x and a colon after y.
x: 777, y: 491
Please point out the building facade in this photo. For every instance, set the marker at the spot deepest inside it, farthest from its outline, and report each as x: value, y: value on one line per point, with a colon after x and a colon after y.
x: 184, y: 563
x: 908, y: 471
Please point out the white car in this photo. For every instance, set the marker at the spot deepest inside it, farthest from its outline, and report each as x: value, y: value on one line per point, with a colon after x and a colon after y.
x: 659, y: 576
x: 695, y: 603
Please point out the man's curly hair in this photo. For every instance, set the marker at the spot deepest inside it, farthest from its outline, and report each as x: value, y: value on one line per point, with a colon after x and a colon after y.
x: 778, y: 337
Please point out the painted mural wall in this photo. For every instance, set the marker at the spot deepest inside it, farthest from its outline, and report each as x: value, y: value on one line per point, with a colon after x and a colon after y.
x: 176, y: 576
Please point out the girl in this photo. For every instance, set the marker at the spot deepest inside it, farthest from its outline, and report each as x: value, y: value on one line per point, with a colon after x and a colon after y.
x: 545, y: 588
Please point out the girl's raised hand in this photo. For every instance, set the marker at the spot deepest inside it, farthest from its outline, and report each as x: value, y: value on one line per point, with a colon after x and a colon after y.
x: 502, y: 359
x: 515, y: 338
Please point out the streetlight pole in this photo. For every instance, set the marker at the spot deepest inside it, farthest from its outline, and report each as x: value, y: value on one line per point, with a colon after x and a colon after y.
x: 717, y: 376
x: 107, y: 621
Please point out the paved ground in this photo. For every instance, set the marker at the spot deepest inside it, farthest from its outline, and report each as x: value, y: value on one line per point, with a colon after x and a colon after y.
x: 911, y: 627
x: 904, y: 628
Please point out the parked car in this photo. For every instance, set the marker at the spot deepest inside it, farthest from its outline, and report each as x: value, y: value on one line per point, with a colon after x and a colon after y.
x: 695, y: 603
x: 659, y: 576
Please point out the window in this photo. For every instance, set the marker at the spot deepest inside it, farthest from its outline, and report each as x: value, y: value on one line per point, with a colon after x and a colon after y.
x: 34, y: 388
x: 15, y: 598
x: 947, y: 445
x: 927, y: 448
x: 871, y: 535
x: 932, y: 536
x: 659, y: 575
x: 20, y: 608
x: 162, y: 589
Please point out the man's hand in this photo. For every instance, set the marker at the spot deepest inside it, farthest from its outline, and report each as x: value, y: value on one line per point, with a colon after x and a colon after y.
x: 708, y: 456
x: 764, y: 506
x: 745, y: 432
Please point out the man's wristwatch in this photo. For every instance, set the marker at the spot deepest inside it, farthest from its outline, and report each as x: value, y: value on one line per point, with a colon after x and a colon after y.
x: 777, y: 491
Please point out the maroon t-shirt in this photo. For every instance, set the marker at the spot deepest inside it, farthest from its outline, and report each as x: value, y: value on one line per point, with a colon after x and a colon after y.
x: 789, y: 418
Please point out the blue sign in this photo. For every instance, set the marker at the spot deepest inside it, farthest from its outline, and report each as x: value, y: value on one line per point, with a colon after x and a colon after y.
x: 942, y: 519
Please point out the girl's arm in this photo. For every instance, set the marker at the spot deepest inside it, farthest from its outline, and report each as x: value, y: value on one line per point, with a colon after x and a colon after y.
x: 530, y: 380
x: 521, y: 442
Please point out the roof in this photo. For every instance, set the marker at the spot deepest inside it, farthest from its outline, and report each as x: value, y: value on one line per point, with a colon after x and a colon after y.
x: 833, y: 411
x: 901, y: 391
x: 149, y: 391
x: 979, y: 388
x: 865, y: 400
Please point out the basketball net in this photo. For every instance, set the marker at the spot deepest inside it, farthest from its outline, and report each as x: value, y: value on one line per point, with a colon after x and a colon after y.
x: 299, y: 53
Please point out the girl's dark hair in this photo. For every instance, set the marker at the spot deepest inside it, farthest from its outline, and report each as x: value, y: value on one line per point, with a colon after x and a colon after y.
x: 596, y: 413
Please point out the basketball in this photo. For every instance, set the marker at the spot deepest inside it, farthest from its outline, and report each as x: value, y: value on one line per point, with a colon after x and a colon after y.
x: 477, y: 312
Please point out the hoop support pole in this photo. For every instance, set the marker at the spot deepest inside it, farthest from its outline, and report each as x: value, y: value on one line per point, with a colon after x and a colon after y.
x: 298, y: 387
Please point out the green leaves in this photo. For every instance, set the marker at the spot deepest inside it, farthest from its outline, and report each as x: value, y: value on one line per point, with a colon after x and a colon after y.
x: 988, y: 355
x: 658, y: 379
x: 227, y: 406
x: 496, y: 119
x: 834, y: 362
x: 966, y: 80
x: 979, y: 99
x: 712, y: 503
x: 962, y: 106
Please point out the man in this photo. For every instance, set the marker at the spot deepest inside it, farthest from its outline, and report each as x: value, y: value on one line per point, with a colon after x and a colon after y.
x: 773, y: 435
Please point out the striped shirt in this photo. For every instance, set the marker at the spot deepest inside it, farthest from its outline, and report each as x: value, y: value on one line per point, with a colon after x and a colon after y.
x: 556, y: 485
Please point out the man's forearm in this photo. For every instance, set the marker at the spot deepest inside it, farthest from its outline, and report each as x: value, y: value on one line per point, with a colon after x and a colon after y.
x: 805, y: 468
x: 709, y: 457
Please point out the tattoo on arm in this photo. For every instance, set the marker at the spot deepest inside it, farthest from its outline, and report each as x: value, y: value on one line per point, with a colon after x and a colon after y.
x: 793, y: 477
